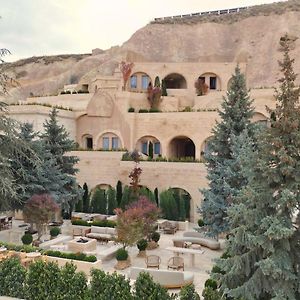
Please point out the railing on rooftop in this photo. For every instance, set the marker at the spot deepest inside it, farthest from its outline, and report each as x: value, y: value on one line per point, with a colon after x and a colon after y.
x: 205, y: 13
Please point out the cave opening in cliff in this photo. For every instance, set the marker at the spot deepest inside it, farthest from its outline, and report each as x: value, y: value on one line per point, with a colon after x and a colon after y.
x: 175, y: 81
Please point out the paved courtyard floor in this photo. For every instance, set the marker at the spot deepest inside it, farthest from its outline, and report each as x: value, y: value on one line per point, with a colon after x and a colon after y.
x: 201, y: 269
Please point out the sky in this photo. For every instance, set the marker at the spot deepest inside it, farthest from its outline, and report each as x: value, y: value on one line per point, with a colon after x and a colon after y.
x: 49, y: 27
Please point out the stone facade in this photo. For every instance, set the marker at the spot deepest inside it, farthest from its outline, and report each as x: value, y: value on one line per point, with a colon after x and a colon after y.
x: 100, y: 120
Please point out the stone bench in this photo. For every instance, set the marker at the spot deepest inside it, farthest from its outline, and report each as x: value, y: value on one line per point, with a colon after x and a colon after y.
x: 61, y: 239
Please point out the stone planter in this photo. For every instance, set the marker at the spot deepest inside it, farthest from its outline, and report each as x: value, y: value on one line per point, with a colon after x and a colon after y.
x: 152, y: 245
x: 123, y: 264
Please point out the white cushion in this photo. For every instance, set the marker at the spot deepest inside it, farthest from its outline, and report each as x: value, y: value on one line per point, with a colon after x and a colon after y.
x: 97, y: 229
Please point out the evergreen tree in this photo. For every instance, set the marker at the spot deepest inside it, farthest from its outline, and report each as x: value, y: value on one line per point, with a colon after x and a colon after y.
x: 146, y: 192
x: 111, y: 201
x: 156, y: 82
x: 86, y: 198
x: 151, y: 149
x: 263, y: 242
x: 35, y: 177
x: 98, y: 202
x: 163, y: 88
x: 119, y: 191
x: 223, y: 183
x: 168, y: 205
x: 156, y: 196
x: 58, y: 143
x: 126, y: 197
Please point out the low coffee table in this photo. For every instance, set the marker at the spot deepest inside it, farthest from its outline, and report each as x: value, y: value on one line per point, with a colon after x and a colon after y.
x: 82, y: 244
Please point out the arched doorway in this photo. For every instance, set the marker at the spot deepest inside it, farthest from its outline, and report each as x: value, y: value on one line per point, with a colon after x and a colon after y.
x: 181, y: 147
x: 175, y: 81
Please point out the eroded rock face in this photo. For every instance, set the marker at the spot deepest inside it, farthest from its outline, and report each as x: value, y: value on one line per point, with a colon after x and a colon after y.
x: 254, y: 39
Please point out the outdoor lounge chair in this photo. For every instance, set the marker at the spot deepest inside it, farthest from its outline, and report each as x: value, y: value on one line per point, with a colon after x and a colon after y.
x: 176, y: 263
x: 153, y: 261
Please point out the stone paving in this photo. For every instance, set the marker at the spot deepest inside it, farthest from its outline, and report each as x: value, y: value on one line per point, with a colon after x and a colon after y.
x: 203, y: 262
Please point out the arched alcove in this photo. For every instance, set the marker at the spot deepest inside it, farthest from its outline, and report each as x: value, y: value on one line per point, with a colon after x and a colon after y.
x: 87, y: 141
x: 175, y: 81
x: 149, y: 145
x: 181, y: 194
x: 180, y: 147
x: 212, y: 80
x: 139, y: 81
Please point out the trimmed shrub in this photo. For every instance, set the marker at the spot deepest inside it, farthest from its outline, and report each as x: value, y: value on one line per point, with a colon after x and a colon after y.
x: 19, y: 248
x: 188, y: 293
x: 154, y: 110
x: 73, y: 256
x: 42, y: 281
x: 111, y: 201
x: 109, y: 286
x: 143, y: 110
x: 142, y: 244
x: 155, y: 236
x: 119, y: 191
x: 55, y: 231
x: 27, y: 239
x: 130, y: 109
x: 121, y: 254
x: 100, y: 223
x: 72, y: 285
x: 168, y: 205
x: 146, y: 288
x: 211, y: 283
x: 201, y: 223
x: 98, y: 203
x: 12, y: 278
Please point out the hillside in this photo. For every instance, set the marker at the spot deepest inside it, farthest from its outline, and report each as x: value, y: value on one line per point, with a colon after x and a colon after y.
x: 251, y: 36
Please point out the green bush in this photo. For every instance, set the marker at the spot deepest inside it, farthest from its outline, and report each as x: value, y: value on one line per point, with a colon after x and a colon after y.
x: 42, y: 281
x: 168, y: 205
x: 216, y: 269
x: 19, y: 248
x: 73, y: 256
x: 27, y: 239
x: 211, y: 283
x: 188, y: 293
x: 154, y: 110
x: 142, y: 244
x: 142, y: 110
x: 100, y: 223
x: 130, y: 109
x: 12, y: 278
x: 73, y: 285
x: 121, y: 254
x: 211, y: 294
x: 201, y: 223
x: 80, y: 223
x: 155, y: 236
x: 109, y: 286
x: 55, y: 231
x: 146, y: 288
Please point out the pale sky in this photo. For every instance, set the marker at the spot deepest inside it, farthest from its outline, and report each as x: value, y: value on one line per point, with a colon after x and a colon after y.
x: 47, y: 27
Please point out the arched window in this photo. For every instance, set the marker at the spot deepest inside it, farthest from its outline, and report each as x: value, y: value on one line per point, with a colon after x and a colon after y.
x: 139, y: 81
x: 109, y: 141
x: 212, y: 80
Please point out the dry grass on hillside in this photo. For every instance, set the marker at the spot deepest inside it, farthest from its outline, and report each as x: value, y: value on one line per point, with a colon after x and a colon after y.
x: 258, y: 10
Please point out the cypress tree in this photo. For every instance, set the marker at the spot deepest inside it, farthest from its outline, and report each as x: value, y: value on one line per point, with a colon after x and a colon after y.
x: 98, y: 202
x: 223, y: 183
x: 163, y: 88
x: 156, y: 82
x: 168, y: 205
x: 111, y: 201
x: 156, y: 196
x: 126, y: 197
x: 264, y: 240
x: 85, y: 199
x: 119, y: 191
x: 57, y: 141
x: 151, y: 149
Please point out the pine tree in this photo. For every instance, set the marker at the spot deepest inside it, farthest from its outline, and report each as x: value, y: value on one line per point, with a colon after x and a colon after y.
x: 119, y: 191
x: 263, y: 242
x: 111, y: 201
x: 39, y: 176
x: 86, y: 198
x: 223, y: 183
x: 58, y: 143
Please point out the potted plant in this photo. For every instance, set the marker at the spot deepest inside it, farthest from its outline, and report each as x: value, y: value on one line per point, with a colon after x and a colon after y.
x: 155, y: 236
x: 27, y: 239
x: 54, y: 232
x: 123, y: 260
x: 142, y: 245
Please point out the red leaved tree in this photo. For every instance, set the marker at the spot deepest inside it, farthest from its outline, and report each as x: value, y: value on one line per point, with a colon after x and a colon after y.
x: 39, y: 210
x: 135, y: 174
x: 136, y: 222
x: 126, y: 69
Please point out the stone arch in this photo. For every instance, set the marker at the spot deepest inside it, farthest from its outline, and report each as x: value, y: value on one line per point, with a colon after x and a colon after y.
x: 181, y: 194
x: 87, y: 141
x: 260, y: 118
x: 175, y: 81
x: 145, y: 143
x: 102, y: 186
x: 139, y: 81
x: 212, y: 80
x: 109, y: 135
x: 100, y: 105
x: 204, y: 146
x: 181, y: 147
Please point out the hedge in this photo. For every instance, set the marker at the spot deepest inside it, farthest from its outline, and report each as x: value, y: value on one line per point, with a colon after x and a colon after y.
x: 19, y: 248
x: 73, y: 256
